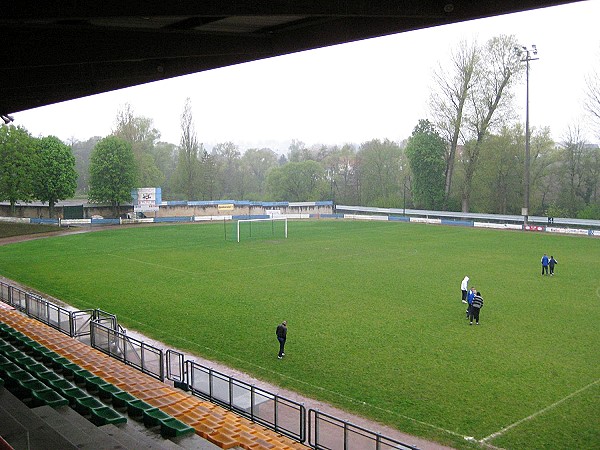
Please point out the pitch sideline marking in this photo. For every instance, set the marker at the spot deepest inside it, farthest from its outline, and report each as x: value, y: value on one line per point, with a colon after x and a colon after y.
x: 175, y: 269
x: 537, y: 413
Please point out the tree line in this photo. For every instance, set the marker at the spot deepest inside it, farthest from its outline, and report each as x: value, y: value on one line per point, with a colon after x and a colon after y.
x: 468, y: 155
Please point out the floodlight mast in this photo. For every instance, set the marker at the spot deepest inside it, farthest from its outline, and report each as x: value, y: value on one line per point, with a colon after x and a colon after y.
x: 526, y: 55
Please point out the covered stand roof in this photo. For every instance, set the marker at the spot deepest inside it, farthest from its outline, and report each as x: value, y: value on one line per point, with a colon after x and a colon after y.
x: 56, y: 50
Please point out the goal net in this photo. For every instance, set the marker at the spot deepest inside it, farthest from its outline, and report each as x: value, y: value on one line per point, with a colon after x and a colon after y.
x: 274, y: 227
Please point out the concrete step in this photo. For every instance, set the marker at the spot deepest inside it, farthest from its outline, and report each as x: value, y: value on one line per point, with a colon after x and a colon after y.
x: 21, y: 428
x: 76, y: 429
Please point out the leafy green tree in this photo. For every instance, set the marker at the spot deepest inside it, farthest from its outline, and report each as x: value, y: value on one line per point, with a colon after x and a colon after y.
x: 579, y: 178
x: 112, y: 172
x: 227, y: 164
x: 378, y: 170
x: 55, y: 175
x: 141, y: 134
x: 499, y: 186
x: 188, y: 173
x: 165, y: 156
x: 17, y: 165
x: 297, y: 182
x: 256, y: 164
x: 82, y: 151
x: 425, y: 151
x: 342, y: 174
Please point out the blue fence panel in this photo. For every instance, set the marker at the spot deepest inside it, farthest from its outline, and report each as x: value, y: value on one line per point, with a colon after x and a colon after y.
x: 462, y: 223
x: 399, y: 218
x: 250, y: 216
x: 106, y: 221
x: 272, y: 204
x: 173, y: 219
x: 44, y: 221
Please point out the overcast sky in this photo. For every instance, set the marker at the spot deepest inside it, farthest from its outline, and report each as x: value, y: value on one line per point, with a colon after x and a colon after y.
x: 350, y: 93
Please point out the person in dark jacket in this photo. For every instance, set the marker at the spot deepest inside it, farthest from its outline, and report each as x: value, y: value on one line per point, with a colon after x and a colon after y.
x: 281, y: 337
x: 551, y: 263
x: 476, y: 306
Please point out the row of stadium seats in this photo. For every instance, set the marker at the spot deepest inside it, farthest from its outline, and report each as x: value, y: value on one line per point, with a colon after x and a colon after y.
x: 91, y: 381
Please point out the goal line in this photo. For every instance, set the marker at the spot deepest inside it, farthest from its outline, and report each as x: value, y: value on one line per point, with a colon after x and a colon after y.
x: 270, y: 219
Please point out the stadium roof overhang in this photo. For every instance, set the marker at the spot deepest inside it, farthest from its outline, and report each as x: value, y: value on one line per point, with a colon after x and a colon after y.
x: 55, y: 50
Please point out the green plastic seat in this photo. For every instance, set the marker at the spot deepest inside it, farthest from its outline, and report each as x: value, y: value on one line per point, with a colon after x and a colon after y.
x: 57, y: 361
x: 81, y: 375
x: 68, y: 369
x: 48, y: 397
x: 136, y: 408
x: 93, y: 383
x: 107, y: 390
x: 73, y: 394
x: 153, y: 417
x: 106, y: 415
x: 61, y: 384
x: 48, y: 376
x: 173, y: 427
x: 122, y: 399
x: 85, y: 405
x: 14, y: 377
x: 27, y: 387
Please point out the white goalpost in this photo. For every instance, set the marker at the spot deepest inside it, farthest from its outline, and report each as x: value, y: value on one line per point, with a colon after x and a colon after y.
x: 271, y: 219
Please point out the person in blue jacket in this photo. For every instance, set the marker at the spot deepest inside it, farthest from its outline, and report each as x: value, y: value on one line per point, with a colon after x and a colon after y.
x: 545, y: 262
x: 470, y: 297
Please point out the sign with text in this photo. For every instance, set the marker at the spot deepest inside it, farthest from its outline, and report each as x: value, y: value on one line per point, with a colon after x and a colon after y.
x: 147, y: 199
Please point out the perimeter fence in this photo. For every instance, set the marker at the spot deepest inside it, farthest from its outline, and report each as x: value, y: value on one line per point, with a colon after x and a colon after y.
x: 101, y: 330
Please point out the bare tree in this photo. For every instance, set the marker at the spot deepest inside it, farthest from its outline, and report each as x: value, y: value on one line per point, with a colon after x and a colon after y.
x: 448, y: 100
x: 490, y: 101
x: 592, y: 98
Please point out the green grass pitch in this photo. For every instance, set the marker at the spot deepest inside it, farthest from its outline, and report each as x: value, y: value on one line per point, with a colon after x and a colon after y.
x: 376, y: 325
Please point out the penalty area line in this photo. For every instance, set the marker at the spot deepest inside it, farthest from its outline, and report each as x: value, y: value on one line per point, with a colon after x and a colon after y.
x: 537, y: 413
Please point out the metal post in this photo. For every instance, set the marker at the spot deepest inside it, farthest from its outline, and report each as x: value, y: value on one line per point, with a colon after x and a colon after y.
x: 527, y: 57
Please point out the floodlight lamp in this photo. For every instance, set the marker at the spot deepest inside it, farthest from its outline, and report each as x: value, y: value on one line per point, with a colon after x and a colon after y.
x: 7, y: 118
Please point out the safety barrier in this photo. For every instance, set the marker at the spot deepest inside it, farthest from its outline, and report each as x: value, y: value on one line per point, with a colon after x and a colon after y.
x: 144, y: 357
x: 270, y: 410
x: 326, y: 432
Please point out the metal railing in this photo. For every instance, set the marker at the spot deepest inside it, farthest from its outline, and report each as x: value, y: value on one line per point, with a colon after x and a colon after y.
x: 327, y: 432
x: 144, y: 357
x: 266, y: 408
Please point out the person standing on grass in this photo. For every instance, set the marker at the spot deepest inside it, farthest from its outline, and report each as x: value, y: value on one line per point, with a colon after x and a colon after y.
x: 281, y: 337
x: 470, y: 297
x: 545, y: 262
x: 476, y: 306
x: 551, y: 263
x: 464, y: 286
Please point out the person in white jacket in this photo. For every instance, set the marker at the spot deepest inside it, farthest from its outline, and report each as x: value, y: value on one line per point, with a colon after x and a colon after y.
x: 464, y: 287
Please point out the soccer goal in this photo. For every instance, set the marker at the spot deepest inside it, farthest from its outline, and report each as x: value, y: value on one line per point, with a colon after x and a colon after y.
x: 262, y: 228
